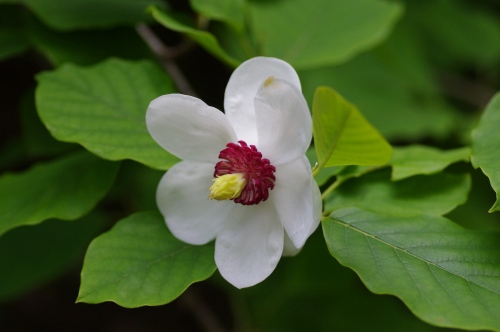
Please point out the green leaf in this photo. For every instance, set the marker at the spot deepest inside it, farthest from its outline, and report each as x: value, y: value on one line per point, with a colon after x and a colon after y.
x: 432, y: 194
x: 85, y: 14
x: 418, y: 159
x: 228, y: 11
x: 447, y: 275
x: 87, y: 47
x: 342, y: 136
x: 13, y: 39
x: 485, y: 140
x: 66, y: 188
x: 395, y: 88
x: 138, y: 262
x: 457, y: 37
x: 349, y: 172
x: 103, y: 108
x: 203, y: 38
x: 310, y: 34
x: 47, y: 251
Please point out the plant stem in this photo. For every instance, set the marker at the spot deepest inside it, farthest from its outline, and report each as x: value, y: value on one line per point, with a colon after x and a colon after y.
x: 332, y: 187
x: 166, y: 55
x: 191, y: 300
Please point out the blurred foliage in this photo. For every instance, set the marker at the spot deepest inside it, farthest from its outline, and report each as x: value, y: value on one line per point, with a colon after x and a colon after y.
x: 421, y: 72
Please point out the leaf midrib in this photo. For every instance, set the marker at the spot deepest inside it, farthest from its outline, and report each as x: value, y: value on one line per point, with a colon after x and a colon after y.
x: 411, y: 254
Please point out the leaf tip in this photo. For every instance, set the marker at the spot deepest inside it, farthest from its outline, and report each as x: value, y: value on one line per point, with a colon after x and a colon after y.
x: 495, y: 207
x: 79, y: 298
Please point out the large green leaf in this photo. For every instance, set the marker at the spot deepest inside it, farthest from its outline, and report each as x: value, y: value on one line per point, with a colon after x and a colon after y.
x: 485, y: 139
x: 433, y: 194
x: 228, y: 11
x: 138, y: 262
x: 66, y: 188
x: 311, y: 34
x: 419, y: 159
x: 84, y: 14
x: 447, y: 275
x: 103, y: 108
x: 457, y: 37
x: 87, y: 47
x: 33, y: 255
x: 203, y: 38
x: 342, y: 136
x: 394, y: 87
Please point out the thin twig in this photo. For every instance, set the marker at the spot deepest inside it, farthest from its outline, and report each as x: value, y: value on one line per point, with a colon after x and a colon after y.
x: 166, y: 55
x: 474, y: 93
x: 201, y: 311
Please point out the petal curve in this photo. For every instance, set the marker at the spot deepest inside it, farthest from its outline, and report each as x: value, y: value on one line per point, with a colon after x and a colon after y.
x: 296, y: 200
x: 182, y: 199
x: 284, y: 124
x: 289, y: 249
x: 248, y: 249
x: 188, y: 128
x: 242, y: 88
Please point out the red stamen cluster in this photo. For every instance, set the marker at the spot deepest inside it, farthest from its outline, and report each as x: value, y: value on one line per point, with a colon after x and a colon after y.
x: 258, y: 171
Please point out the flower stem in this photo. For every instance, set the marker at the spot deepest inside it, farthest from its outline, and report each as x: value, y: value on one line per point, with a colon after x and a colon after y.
x: 331, y: 188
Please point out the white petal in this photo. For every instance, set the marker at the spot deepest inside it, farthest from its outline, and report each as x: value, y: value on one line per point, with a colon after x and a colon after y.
x: 188, y: 128
x: 288, y: 247
x: 284, y: 125
x: 293, y: 198
x: 242, y: 88
x: 182, y: 198
x: 248, y: 249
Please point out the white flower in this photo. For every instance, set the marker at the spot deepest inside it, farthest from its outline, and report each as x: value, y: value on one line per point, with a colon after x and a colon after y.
x: 264, y: 202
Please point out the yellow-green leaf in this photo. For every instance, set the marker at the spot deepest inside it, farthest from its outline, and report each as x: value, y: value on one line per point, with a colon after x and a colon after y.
x: 204, y: 38
x: 342, y: 136
x: 419, y: 159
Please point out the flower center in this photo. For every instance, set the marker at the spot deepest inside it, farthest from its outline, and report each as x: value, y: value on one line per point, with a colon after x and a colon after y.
x: 255, y: 175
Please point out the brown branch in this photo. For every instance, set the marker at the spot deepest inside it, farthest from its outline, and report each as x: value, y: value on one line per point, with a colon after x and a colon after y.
x: 192, y: 301
x: 166, y: 55
x: 474, y: 93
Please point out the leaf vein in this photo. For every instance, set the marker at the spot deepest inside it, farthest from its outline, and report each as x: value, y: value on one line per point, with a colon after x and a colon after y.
x: 445, y: 289
x: 412, y: 254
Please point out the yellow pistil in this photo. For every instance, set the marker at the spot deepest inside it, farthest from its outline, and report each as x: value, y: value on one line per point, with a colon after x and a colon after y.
x: 227, y: 187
